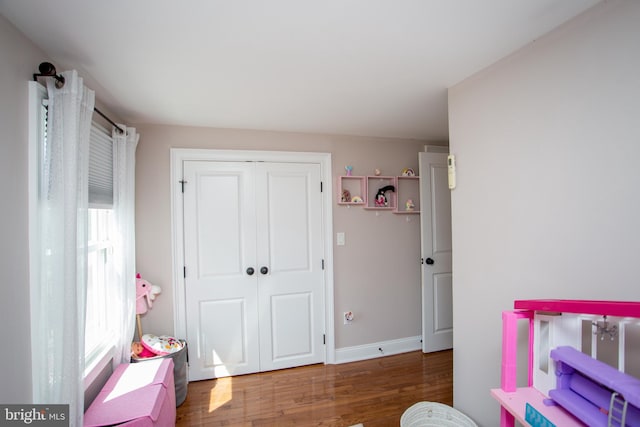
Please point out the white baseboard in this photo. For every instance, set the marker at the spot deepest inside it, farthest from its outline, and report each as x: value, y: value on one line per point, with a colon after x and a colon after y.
x: 379, y: 349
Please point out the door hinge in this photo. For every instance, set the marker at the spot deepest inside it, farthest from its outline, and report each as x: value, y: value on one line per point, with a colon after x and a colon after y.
x: 324, y: 339
x: 184, y: 271
x: 323, y: 264
x: 321, y: 186
x: 182, y: 182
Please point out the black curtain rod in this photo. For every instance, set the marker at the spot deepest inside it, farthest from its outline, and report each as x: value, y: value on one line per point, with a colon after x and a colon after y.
x: 108, y: 119
x: 48, y: 70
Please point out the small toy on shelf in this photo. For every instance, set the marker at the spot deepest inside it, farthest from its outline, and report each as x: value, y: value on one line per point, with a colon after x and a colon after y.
x: 346, y: 196
x: 377, y: 172
x: 381, y: 198
x: 349, y: 170
x: 408, y: 172
x: 410, y: 205
x: 357, y: 199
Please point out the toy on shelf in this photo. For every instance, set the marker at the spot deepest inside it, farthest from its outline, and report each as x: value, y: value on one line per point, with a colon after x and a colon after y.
x: 357, y: 199
x: 346, y: 196
x: 408, y: 172
x: 410, y: 205
x: 376, y: 172
x: 381, y: 198
x: 349, y: 170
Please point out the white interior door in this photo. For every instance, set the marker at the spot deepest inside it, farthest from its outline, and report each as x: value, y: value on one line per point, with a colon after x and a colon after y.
x: 291, y: 278
x: 435, y: 224
x: 219, y: 245
x: 253, y: 254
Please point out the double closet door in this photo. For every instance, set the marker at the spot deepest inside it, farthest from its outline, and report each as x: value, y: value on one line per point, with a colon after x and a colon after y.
x: 254, y: 277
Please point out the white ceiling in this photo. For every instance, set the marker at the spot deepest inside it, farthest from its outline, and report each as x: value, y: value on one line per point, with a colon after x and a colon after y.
x: 360, y: 67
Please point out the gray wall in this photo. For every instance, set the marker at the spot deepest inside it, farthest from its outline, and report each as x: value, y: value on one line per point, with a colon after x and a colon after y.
x: 547, y: 205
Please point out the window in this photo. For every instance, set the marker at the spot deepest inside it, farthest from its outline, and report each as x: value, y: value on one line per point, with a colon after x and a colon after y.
x: 99, y: 325
x: 99, y: 330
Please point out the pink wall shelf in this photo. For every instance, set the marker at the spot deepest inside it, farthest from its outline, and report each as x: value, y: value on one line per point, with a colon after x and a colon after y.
x: 366, y: 187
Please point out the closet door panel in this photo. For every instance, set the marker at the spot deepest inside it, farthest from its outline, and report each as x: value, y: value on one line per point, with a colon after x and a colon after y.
x: 220, y: 245
x: 288, y: 206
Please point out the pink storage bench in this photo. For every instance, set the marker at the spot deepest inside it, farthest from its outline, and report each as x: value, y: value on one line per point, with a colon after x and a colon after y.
x: 137, y: 394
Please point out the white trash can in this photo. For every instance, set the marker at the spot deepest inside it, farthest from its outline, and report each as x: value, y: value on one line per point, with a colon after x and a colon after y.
x: 433, y: 414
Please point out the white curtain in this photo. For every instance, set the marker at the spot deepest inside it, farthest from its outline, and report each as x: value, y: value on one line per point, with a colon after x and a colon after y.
x: 124, y: 150
x: 59, y: 302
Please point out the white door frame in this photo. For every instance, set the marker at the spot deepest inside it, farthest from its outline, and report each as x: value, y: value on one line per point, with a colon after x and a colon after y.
x: 180, y: 155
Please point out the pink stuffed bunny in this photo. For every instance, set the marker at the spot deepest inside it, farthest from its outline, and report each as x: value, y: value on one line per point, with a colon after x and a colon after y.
x: 145, y: 294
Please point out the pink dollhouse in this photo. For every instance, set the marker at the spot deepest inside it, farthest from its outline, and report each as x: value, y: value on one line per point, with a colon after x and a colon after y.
x: 566, y: 383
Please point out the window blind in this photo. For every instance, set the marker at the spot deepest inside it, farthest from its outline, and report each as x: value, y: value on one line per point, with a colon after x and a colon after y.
x: 100, y: 162
x: 100, y: 168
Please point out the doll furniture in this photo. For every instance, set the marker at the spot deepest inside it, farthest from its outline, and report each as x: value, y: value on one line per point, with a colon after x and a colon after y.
x: 586, y: 388
x: 565, y: 387
x: 137, y: 394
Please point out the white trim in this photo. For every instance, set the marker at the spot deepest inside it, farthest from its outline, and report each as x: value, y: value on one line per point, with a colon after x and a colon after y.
x: 37, y: 94
x: 103, y: 356
x: 372, y: 350
x: 180, y: 155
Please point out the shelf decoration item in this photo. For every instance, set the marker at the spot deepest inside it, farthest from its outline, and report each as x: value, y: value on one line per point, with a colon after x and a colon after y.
x: 381, y: 197
x: 376, y: 172
x: 410, y: 205
x: 349, y: 170
x: 357, y: 199
x: 408, y: 172
x: 346, y: 196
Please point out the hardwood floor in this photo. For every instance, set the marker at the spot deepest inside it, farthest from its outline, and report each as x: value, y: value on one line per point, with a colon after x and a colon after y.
x: 373, y: 392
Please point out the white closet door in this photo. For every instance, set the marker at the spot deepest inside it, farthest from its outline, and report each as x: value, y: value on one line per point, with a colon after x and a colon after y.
x: 254, y: 278
x: 219, y: 244
x: 291, y: 278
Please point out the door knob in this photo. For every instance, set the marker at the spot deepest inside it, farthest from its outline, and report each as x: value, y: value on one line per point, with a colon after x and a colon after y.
x: 264, y: 270
x: 250, y: 271
x: 429, y: 261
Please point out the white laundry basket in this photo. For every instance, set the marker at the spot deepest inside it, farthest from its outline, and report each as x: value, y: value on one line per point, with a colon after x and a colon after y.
x: 433, y: 414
